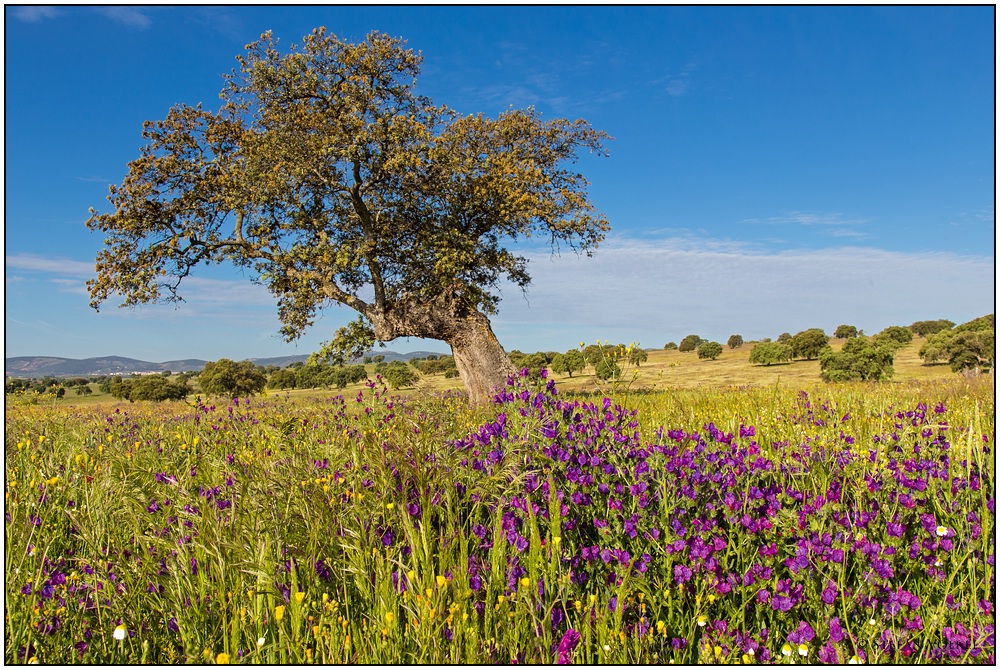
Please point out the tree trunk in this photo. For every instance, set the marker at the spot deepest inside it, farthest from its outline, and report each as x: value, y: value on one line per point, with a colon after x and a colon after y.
x: 481, y: 361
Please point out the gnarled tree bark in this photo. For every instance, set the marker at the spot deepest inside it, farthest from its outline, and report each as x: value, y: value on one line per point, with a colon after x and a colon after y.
x: 481, y: 360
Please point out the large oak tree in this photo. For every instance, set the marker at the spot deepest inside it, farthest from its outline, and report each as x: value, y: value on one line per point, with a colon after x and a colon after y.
x: 327, y: 176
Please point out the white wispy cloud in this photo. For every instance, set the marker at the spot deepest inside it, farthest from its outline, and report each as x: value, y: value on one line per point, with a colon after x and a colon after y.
x: 834, y: 224
x: 61, y: 266
x: 664, y: 289
x: 75, y: 286
x: 35, y: 13
x: 134, y: 17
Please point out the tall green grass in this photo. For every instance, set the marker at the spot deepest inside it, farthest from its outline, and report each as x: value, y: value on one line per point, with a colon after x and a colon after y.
x: 258, y: 531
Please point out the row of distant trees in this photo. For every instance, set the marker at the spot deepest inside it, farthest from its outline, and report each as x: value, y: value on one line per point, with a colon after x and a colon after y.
x: 151, y: 387
x: 969, y: 346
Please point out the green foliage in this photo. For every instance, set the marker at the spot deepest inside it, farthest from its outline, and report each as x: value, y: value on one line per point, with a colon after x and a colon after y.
x: 607, y: 368
x: 345, y: 375
x: 569, y: 362
x: 154, y: 388
x: 17, y: 385
x: 435, y: 365
x: 637, y: 355
x: 282, y: 379
x: 329, y: 177
x: 689, y: 343
x: 895, y: 337
x: 310, y: 375
x: 785, y: 338
x: 983, y: 323
x: 972, y: 349
x: 84, y: 390
x: 593, y: 353
x: 228, y: 378
x: 925, y: 328
x: 858, y: 360
x: 769, y: 353
x: 670, y: 346
x: 735, y: 341
x: 397, y: 374
x: 709, y: 350
x: 972, y: 345
x: 808, y: 343
x: 845, y: 331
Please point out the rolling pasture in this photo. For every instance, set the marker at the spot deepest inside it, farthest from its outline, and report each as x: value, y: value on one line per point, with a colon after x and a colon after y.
x: 705, y: 511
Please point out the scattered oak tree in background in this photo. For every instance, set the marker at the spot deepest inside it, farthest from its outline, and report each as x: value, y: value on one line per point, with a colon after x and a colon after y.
x: 637, y: 356
x: 398, y: 374
x: 858, y: 360
x: 735, y: 341
x: 689, y: 343
x: 894, y: 337
x: 970, y: 346
x: 670, y: 346
x: 328, y: 178
x: 808, y: 343
x: 845, y: 331
x: 228, y: 378
x: 607, y: 368
x: 709, y: 350
x: 570, y: 362
x: 153, y: 388
x: 925, y: 328
x: 770, y: 353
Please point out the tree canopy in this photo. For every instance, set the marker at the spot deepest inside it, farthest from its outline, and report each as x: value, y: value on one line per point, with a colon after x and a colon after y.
x: 858, y: 360
x: 709, y: 350
x: 971, y: 345
x: 228, y: 378
x: 808, y: 343
x: 329, y: 179
x: 769, y: 353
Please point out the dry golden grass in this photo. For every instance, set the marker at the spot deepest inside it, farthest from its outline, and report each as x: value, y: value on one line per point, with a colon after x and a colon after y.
x: 664, y: 370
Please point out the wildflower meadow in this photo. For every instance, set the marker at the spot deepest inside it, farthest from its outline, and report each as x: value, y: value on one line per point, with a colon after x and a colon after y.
x: 850, y: 523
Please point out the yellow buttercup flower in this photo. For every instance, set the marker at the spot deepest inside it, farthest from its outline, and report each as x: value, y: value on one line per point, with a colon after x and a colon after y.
x: 222, y: 659
x: 279, y: 612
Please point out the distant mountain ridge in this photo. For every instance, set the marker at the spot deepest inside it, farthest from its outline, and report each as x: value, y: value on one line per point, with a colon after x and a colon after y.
x: 55, y: 366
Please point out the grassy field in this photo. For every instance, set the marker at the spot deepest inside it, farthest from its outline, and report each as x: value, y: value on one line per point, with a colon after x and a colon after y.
x: 663, y: 370
x: 706, y: 511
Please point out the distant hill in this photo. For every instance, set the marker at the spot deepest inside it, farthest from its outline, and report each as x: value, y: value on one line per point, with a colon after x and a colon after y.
x: 54, y: 366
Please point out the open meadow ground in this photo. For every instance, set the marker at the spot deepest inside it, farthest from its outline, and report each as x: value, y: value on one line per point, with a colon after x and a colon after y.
x: 706, y: 511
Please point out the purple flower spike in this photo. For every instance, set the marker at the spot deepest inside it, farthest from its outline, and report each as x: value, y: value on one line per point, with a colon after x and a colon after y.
x: 567, y: 644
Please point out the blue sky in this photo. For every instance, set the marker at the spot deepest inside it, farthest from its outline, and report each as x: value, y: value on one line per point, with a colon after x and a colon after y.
x: 773, y: 169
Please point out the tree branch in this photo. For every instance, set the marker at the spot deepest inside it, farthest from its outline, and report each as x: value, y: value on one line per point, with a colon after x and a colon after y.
x: 369, y: 236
